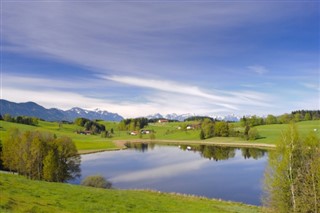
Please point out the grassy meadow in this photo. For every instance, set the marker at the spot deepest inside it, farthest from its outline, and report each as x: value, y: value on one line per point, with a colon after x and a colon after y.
x: 19, y: 194
x: 269, y: 134
x: 83, y: 142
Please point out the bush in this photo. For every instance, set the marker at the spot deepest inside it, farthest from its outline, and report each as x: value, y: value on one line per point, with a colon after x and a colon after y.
x: 253, y: 134
x: 96, y: 181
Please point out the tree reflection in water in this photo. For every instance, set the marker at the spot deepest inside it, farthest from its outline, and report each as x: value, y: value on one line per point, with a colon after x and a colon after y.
x: 142, y: 147
x: 206, y: 151
x: 223, y: 153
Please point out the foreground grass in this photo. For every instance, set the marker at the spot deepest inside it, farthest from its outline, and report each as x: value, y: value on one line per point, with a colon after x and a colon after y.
x: 19, y: 194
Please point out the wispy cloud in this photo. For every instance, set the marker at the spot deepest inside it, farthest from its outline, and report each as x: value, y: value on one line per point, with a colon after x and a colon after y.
x: 169, y: 96
x: 171, y: 86
x: 312, y: 85
x: 226, y: 99
x: 258, y: 69
x: 95, y: 35
x: 169, y: 50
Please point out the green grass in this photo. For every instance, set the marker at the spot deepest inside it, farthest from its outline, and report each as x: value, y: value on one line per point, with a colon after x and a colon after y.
x: 270, y: 134
x: 168, y: 131
x: 83, y: 142
x: 19, y: 194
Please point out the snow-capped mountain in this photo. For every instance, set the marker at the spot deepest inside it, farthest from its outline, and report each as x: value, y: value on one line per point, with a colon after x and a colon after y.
x: 77, y: 112
x: 33, y: 109
x: 172, y: 116
x: 182, y: 117
x: 231, y: 117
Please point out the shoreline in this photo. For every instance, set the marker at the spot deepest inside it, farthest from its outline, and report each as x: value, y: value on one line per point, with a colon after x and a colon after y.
x: 120, y: 144
x: 85, y: 152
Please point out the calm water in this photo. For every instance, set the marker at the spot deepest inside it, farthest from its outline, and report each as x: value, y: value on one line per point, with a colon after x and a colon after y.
x: 210, y: 171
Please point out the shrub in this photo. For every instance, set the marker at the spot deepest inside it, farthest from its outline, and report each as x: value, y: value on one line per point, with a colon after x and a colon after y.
x: 253, y: 134
x: 96, y: 181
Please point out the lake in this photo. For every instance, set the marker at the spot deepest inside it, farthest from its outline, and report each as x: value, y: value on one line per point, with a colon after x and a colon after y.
x: 226, y: 173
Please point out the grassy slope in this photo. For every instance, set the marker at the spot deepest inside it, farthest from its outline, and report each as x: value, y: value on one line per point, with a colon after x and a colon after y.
x: 271, y: 133
x: 83, y: 142
x: 19, y: 194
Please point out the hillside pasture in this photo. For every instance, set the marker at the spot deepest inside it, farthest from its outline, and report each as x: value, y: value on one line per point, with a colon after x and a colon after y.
x: 18, y: 194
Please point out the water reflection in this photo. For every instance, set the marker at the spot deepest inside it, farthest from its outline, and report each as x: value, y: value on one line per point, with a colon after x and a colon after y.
x: 221, y: 172
x: 253, y: 153
x: 210, y: 152
x: 142, y: 147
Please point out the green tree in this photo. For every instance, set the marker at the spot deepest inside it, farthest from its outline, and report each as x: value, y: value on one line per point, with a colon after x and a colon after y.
x: 297, y: 117
x: 221, y: 129
x: 202, y: 136
x: 40, y: 156
x: 253, y: 134
x: 308, y: 199
x: 243, y: 121
x: 281, y: 175
x: 285, y: 118
x: 7, y: 117
x: 207, y: 126
x: 292, y: 179
x: 50, y: 166
x: 38, y: 152
x: 68, y: 159
x: 10, y: 152
x: 271, y: 119
x: 307, y: 117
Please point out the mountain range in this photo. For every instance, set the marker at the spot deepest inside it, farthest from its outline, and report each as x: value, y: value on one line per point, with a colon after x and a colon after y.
x: 53, y: 114
x: 182, y: 117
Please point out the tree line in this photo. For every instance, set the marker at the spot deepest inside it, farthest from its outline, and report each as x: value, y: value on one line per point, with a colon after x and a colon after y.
x: 210, y: 128
x: 41, y: 156
x: 296, y: 116
x: 89, y: 125
x: 20, y: 119
x: 132, y: 124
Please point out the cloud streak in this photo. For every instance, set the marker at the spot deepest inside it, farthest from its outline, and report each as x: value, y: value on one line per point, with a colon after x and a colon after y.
x: 171, y: 86
x: 258, y: 69
x: 229, y: 100
x: 170, y: 52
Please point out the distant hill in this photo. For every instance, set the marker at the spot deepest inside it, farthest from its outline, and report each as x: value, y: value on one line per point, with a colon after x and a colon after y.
x: 53, y: 114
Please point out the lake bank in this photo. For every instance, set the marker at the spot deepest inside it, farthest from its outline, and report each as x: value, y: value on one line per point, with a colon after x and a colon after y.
x: 121, y: 143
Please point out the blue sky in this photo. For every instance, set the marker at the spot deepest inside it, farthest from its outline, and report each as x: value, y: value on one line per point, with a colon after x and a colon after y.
x: 137, y: 58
